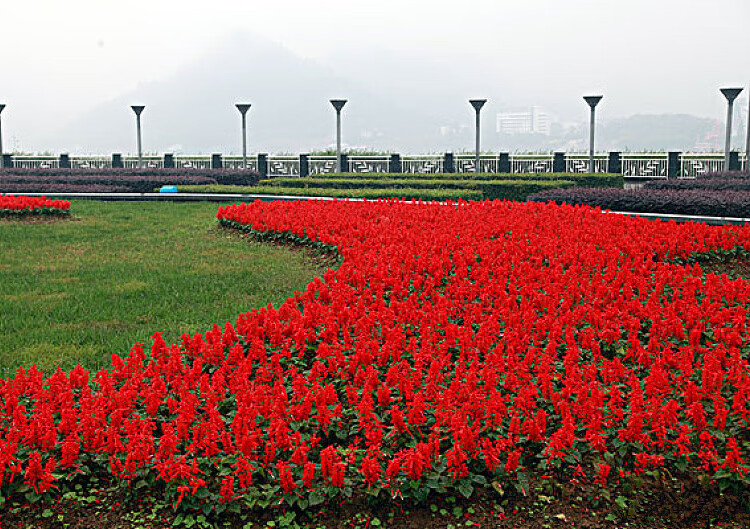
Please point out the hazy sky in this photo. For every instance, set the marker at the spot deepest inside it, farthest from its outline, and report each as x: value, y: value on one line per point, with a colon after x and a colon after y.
x: 61, y: 58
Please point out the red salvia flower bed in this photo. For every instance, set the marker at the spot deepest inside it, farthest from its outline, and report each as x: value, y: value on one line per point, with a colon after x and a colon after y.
x: 456, y: 345
x: 20, y: 206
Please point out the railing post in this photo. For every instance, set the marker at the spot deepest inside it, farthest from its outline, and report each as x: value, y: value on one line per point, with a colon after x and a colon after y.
x: 64, y: 161
x: 263, y: 165
x: 304, y: 165
x: 345, y: 163
x: 168, y: 161
x: 394, y: 163
x: 503, y: 162
x: 117, y: 161
x: 734, y: 161
x: 216, y: 161
x: 614, y: 163
x: 673, y: 164
x: 6, y: 162
x: 448, y: 163
x: 558, y: 162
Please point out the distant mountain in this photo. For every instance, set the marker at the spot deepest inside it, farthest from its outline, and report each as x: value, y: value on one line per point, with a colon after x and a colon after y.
x: 643, y: 132
x: 193, y: 110
x: 400, y: 103
x: 667, y: 132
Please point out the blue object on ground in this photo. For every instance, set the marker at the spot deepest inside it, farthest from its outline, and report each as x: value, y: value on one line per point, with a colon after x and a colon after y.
x: 168, y: 189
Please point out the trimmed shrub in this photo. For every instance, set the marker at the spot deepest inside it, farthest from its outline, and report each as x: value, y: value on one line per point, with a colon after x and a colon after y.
x: 582, y: 179
x: 711, y: 203
x: 407, y: 193
x: 120, y: 180
x: 714, y: 184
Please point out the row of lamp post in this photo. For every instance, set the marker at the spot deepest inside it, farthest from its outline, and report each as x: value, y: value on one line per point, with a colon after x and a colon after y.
x: 729, y: 93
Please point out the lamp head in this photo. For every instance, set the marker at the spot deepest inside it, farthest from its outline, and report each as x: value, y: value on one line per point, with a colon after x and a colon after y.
x: 592, y: 100
x: 338, y: 104
x: 477, y: 103
x: 243, y: 107
x: 730, y: 93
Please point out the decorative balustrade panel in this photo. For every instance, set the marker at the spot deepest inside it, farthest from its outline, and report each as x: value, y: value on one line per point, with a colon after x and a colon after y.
x: 321, y: 165
x: 368, y: 164
x: 283, y: 166
x: 36, y: 162
x: 235, y: 162
x: 88, y: 162
x: 523, y: 163
x: 466, y: 164
x: 580, y: 164
x: 149, y: 162
x: 644, y: 165
x: 694, y: 165
x: 640, y: 165
x: 194, y: 162
x: 422, y: 164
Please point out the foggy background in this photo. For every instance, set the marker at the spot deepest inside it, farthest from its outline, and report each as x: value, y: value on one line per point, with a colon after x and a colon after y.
x: 70, y: 70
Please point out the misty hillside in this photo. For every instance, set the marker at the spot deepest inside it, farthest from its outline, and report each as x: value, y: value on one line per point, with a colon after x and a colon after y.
x: 193, y: 110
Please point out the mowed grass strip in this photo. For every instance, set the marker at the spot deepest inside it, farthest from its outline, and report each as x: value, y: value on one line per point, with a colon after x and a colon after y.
x: 78, y: 291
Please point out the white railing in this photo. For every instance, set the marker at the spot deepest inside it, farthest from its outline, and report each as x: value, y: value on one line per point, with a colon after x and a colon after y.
x: 321, y: 165
x: 149, y: 162
x: 283, y: 166
x: 36, y: 162
x: 653, y: 164
x: 579, y: 163
x: 422, y: 164
x: 90, y: 162
x: 634, y: 165
x: 693, y: 165
x: 466, y: 164
x: 530, y: 163
x: 235, y: 162
x: 368, y: 164
x: 192, y: 162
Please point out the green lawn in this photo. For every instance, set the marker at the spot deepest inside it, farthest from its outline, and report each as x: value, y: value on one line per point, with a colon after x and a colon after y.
x: 76, y: 291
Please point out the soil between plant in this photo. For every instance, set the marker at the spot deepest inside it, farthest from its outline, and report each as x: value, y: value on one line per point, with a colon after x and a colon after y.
x: 678, y: 505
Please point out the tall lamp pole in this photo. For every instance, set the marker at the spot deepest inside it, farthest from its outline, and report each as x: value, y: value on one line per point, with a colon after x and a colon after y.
x: 338, y: 104
x: 243, y: 108
x: 731, y: 94
x: 138, y: 109
x: 477, y: 104
x: 2, y: 106
x: 592, y: 102
x: 747, y: 138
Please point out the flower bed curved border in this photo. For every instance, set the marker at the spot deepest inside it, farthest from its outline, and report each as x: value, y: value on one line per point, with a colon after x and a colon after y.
x: 456, y: 347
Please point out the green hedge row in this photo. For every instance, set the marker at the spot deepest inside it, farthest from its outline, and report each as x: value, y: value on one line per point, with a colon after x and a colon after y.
x: 493, y: 190
x: 490, y: 189
x: 581, y: 179
x: 408, y: 193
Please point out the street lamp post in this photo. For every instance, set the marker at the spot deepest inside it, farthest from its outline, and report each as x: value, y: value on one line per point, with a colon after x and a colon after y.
x: 477, y: 104
x: 243, y: 108
x: 338, y: 104
x: 138, y: 109
x: 2, y: 106
x: 747, y: 138
x: 731, y: 94
x: 592, y: 102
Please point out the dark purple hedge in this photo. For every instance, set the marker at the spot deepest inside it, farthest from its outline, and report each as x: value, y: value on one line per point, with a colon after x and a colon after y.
x: 712, y: 203
x: 714, y: 184
x: 124, y: 180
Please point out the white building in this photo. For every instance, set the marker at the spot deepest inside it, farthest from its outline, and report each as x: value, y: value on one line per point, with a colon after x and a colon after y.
x: 534, y: 121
